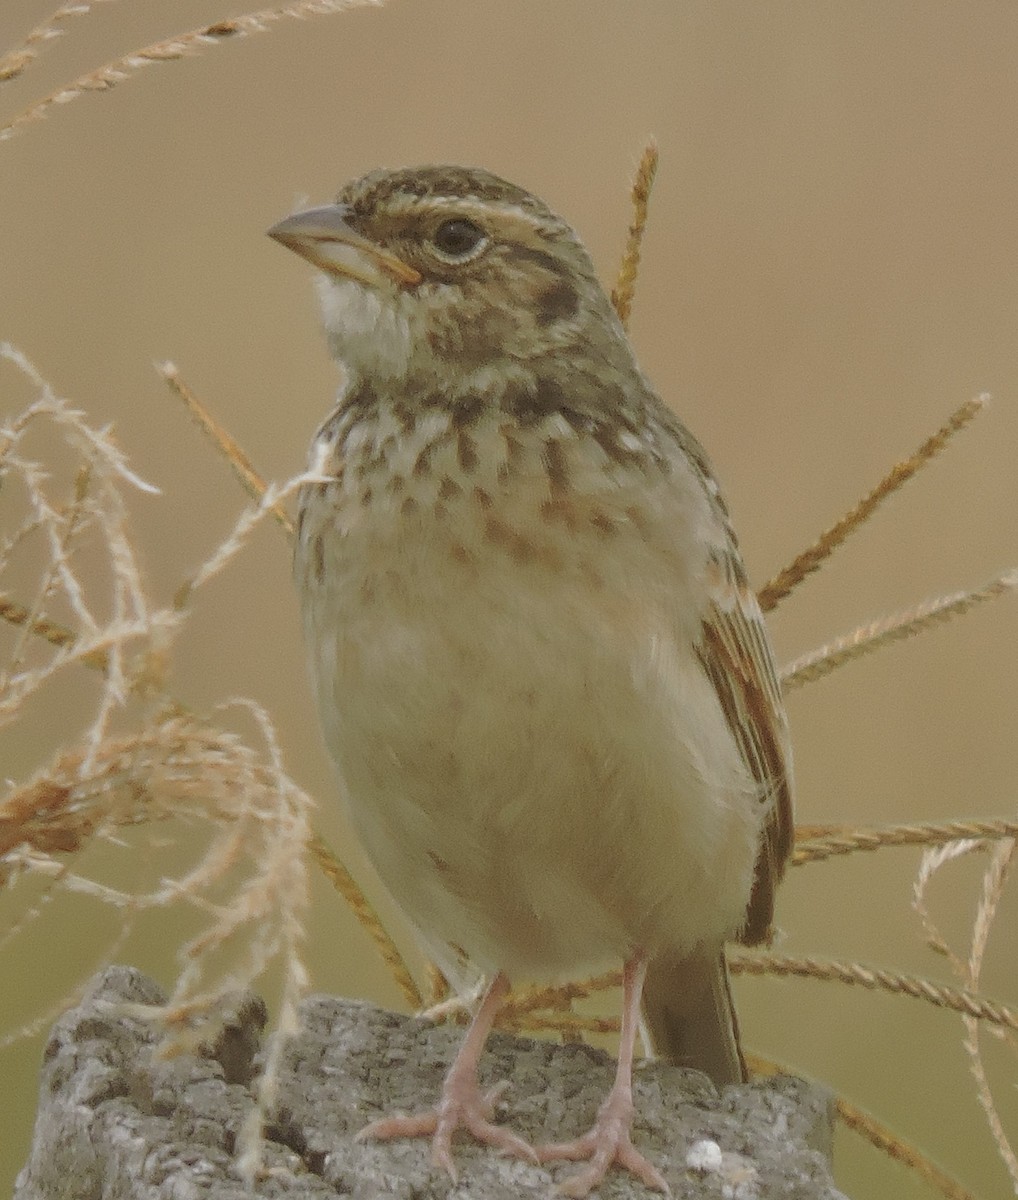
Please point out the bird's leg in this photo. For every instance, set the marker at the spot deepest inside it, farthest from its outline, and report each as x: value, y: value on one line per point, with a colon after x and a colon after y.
x: 462, y: 1104
x: 609, y: 1140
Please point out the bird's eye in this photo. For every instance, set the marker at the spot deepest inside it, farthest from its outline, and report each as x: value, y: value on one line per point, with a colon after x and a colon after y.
x: 458, y: 239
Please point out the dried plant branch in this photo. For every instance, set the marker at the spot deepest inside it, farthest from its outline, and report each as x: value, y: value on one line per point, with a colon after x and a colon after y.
x: 536, y: 1008
x: 867, y: 639
x: 812, y: 558
x: 242, y: 466
x: 96, y: 650
x: 817, y: 843
x: 260, y: 823
x: 643, y: 183
x: 875, y: 979
x: 436, y: 988
x: 331, y: 866
x: 878, y: 1135
x: 250, y: 876
x: 14, y: 62
x: 1001, y: 862
x: 344, y: 883
x: 50, y: 631
x: 193, y: 42
x: 570, y: 1024
x: 931, y: 862
x: 561, y: 996
x: 994, y: 879
x: 969, y: 970
x: 71, y: 521
x: 99, y: 510
x: 249, y: 520
x: 69, y: 420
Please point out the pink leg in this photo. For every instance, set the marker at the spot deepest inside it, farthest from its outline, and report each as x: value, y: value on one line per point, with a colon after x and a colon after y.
x: 461, y: 1104
x: 609, y: 1140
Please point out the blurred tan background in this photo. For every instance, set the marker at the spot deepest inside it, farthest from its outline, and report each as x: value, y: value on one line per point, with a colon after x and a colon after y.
x: 830, y: 269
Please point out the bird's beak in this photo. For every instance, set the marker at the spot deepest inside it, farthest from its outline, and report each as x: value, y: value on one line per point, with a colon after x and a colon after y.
x: 323, y: 237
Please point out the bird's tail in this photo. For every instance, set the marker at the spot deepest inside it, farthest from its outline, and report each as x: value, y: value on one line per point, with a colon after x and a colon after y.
x: 689, y: 1016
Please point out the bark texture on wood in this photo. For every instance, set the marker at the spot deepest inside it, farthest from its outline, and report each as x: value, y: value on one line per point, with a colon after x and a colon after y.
x: 116, y: 1123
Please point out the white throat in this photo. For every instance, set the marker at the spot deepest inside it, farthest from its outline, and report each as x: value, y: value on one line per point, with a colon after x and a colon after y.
x: 368, y: 332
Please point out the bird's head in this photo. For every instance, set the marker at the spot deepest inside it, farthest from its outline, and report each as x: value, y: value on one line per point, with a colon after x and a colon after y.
x: 450, y: 276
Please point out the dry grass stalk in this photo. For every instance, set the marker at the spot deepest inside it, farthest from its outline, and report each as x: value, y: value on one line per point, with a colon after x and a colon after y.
x: 876, y: 1133
x: 256, y: 487
x: 96, y: 519
x: 50, y: 631
x: 272, y: 499
x: 141, y: 761
x: 867, y: 639
x: 436, y: 987
x: 14, y: 62
x: 886, y: 1140
x: 344, y: 883
x: 875, y: 979
x: 550, y: 1009
x: 332, y: 867
x: 625, y: 286
x: 969, y: 969
x: 184, y: 45
x: 242, y: 466
x: 818, y: 843
x: 173, y: 766
x: 531, y: 999
x: 813, y: 557
x: 571, y: 1026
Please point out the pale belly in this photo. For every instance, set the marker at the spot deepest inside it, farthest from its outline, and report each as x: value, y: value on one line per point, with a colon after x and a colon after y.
x: 535, y: 762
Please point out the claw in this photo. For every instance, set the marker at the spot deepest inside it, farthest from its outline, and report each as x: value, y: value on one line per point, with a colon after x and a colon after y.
x: 462, y: 1105
x: 608, y: 1142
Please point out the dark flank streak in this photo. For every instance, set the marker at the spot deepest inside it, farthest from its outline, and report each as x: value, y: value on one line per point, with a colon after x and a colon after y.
x: 360, y: 405
x: 405, y: 414
x: 466, y: 453
x: 607, y: 438
x: 554, y: 460
x: 422, y: 464
x: 603, y: 523
x: 559, y: 510
x: 466, y: 411
x: 529, y: 406
x: 514, y: 454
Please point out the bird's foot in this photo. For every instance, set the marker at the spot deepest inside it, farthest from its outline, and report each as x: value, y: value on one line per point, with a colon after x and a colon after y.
x: 606, y: 1143
x: 462, y: 1106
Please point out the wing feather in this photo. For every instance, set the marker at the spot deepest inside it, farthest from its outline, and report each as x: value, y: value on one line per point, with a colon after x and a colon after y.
x: 736, y: 655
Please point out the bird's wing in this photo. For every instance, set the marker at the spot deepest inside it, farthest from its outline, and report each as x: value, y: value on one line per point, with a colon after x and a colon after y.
x: 736, y: 655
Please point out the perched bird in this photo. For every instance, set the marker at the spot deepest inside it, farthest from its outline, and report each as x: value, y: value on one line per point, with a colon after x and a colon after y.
x: 539, y: 667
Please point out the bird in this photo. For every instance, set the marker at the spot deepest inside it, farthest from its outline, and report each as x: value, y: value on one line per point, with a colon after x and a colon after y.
x: 539, y: 667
